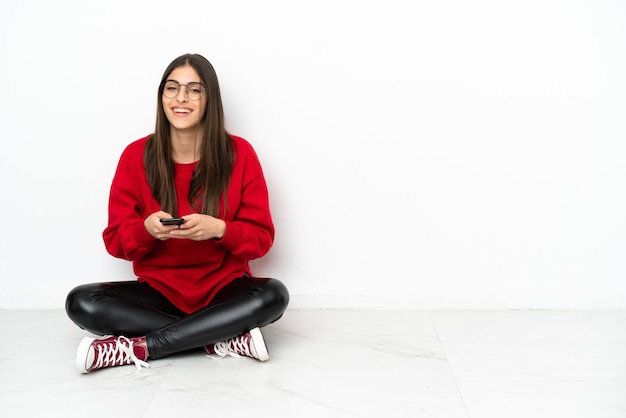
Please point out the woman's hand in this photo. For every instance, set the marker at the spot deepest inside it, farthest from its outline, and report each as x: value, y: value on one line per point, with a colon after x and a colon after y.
x: 199, y: 227
x: 155, y: 228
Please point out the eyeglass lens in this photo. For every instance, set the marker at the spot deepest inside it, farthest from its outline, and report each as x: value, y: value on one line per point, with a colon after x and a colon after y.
x: 194, y: 90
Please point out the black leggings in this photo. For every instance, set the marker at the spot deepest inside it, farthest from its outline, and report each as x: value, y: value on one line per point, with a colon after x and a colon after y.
x: 135, y: 309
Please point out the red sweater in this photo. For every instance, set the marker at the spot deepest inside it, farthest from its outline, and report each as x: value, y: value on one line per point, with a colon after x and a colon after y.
x: 189, y: 273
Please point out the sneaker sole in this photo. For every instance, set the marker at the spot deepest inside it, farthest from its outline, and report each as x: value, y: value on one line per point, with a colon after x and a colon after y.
x: 259, y: 344
x: 81, y: 354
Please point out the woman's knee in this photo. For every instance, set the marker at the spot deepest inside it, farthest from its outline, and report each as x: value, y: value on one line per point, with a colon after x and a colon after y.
x: 279, y: 293
x: 274, y: 297
x: 78, y: 302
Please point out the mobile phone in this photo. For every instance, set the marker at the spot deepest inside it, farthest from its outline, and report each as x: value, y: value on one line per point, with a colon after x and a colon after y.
x: 172, y: 221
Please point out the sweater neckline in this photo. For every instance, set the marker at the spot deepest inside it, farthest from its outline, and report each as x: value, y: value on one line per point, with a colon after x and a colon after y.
x: 186, y: 166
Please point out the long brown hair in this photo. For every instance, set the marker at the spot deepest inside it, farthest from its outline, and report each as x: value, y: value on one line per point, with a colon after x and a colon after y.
x: 212, y: 173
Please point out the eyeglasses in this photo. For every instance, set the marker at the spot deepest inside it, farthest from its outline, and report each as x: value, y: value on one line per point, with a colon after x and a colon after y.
x: 194, y: 90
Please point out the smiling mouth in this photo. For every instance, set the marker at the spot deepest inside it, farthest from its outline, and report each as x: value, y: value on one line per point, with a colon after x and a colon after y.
x: 180, y: 111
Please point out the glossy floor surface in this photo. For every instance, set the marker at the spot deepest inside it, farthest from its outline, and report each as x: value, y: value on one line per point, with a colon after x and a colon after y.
x: 339, y: 363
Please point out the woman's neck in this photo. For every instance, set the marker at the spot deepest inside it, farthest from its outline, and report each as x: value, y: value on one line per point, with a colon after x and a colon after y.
x: 185, y: 146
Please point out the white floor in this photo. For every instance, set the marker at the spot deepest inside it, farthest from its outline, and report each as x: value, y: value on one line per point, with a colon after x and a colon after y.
x: 339, y: 363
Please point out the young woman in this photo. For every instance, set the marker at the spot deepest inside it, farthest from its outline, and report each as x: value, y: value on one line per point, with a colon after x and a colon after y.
x: 194, y: 287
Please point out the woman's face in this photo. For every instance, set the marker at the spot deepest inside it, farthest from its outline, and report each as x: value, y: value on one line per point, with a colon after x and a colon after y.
x: 184, y: 113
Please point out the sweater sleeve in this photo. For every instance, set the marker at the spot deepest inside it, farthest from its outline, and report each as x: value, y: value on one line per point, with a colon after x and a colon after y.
x: 250, y: 233
x: 126, y: 236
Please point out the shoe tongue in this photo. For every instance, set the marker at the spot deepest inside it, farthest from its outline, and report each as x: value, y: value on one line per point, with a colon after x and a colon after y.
x: 250, y: 344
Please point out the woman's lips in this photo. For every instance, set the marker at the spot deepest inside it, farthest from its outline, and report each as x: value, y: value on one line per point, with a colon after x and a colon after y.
x: 181, y: 111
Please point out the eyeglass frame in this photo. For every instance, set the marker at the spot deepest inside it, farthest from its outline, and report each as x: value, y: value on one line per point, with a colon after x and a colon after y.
x: 201, y: 86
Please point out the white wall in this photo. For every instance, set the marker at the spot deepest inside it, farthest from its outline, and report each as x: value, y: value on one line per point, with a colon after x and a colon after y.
x: 448, y: 154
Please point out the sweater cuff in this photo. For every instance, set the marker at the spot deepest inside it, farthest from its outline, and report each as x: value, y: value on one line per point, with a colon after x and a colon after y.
x: 143, y: 237
x: 232, y: 237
